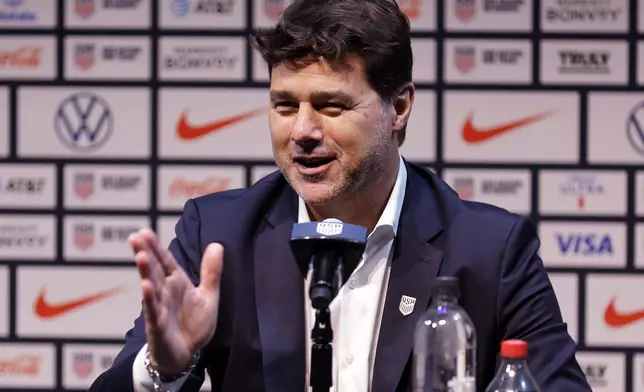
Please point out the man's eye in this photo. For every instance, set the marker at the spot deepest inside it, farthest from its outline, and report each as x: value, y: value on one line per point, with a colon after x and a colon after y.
x: 331, y: 106
x: 285, y: 105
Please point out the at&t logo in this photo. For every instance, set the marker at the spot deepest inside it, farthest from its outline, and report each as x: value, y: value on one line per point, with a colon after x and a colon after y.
x: 180, y: 7
x: 83, y: 122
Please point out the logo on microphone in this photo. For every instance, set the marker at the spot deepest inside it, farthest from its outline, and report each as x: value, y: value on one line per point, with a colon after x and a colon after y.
x: 328, y: 228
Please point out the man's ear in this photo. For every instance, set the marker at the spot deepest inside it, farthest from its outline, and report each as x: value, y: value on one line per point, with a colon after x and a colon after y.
x: 402, y: 103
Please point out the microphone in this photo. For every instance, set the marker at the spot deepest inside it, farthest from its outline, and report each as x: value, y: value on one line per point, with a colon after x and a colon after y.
x: 331, y: 249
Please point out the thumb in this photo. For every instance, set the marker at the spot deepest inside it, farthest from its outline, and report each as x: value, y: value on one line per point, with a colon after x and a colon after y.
x: 212, y: 264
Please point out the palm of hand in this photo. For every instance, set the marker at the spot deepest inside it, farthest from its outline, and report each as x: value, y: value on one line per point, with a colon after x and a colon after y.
x: 179, y: 317
x: 187, y: 315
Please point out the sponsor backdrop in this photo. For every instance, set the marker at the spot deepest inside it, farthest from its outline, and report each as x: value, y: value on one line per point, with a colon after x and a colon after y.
x: 114, y: 112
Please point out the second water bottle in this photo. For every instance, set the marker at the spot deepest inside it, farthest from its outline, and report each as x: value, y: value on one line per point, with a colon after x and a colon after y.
x: 444, y: 357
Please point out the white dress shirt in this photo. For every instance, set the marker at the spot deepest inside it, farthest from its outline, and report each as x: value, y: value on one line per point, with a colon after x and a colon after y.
x: 355, y: 312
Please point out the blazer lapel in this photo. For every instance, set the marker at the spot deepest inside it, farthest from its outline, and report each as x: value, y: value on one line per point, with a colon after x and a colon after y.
x: 415, y: 264
x: 279, y: 298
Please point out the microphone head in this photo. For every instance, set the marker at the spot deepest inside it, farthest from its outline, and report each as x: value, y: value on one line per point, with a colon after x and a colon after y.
x: 331, y: 235
x: 331, y: 229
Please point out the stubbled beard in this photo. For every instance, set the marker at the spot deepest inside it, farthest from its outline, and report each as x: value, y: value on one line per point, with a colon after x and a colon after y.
x: 355, y: 180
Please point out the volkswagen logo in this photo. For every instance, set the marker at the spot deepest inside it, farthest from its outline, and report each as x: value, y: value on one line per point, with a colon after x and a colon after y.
x: 635, y: 128
x: 84, y: 122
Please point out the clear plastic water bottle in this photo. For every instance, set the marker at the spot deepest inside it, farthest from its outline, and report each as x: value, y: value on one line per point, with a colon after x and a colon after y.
x: 444, y: 358
x: 513, y: 374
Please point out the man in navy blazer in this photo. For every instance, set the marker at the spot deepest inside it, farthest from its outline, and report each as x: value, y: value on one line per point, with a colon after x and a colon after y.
x: 259, y: 344
x: 229, y: 297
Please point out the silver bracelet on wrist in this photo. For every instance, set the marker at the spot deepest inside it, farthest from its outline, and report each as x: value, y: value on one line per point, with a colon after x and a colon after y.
x: 159, y: 380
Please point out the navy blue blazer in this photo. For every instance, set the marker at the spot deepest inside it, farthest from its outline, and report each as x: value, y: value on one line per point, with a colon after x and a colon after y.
x: 260, y: 342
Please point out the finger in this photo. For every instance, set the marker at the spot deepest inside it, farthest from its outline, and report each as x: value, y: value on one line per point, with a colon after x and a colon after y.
x: 136, y: 241
x: 212, y: 265
x: 150, y: 303
x: 165, y: 258
x: 147, y: 270
x: 168, y: 263
x: 140, y: 242
x: 155, y: 262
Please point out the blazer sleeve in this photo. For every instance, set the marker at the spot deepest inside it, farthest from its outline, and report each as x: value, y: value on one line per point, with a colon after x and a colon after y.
x: 527, y: 309
x: 187, y: 251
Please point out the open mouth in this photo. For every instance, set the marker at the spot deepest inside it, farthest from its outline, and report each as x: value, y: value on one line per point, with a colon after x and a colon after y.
x: 312, y: 163
x: 313, y: 166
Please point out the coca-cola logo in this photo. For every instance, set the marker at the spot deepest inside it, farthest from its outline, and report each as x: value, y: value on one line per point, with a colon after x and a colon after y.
x: 26, y: 57
x: 181, y: 187
x: 26, y: 364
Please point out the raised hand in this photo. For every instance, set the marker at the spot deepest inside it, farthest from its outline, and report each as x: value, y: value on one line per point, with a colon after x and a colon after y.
x: 179, y: 317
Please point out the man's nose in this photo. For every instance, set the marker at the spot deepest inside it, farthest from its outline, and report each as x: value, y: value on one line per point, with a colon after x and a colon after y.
x: 307, y: 125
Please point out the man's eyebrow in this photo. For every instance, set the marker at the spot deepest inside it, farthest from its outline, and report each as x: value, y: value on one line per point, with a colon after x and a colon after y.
x: 280, y: 95
x: 316, y: 96
x: 331, y: 94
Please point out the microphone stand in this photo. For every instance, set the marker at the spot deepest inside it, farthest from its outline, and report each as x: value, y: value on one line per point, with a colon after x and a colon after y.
x: 322, y: 351
x: 326, y: 278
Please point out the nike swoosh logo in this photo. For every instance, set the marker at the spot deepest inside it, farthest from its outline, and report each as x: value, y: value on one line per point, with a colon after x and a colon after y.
x: 472, y: 134
x: 613, y: 318
x: 187, y: 131
x: 45, y: 309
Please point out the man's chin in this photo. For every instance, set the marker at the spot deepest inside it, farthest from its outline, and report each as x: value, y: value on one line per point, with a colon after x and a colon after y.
x: 315, y: 192
x: 314, y: 189
x: 322, y: 179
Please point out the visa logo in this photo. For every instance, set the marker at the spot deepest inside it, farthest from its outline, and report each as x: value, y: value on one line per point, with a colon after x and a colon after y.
x: 584, y: 244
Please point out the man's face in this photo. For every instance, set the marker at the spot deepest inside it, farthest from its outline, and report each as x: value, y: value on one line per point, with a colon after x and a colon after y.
x: 330, y: 132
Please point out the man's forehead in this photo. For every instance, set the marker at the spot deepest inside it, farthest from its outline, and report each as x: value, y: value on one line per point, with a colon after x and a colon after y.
x: 320, y: 80
x: 339, y: 72
x: 349, y: 65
